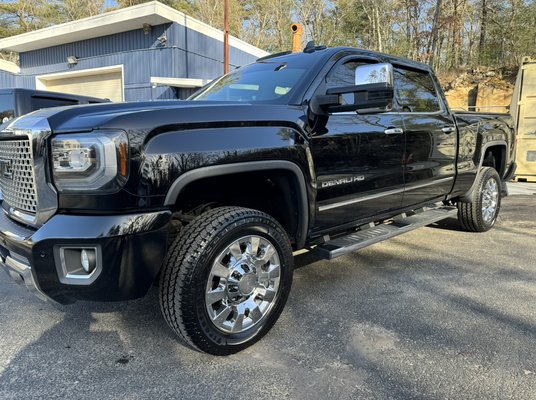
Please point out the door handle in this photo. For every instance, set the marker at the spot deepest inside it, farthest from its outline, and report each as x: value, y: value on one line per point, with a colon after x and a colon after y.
x: 393, y: 131
x: 448, y: 129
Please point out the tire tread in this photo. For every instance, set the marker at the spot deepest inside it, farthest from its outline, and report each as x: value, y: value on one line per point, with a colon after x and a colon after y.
x: 470, y: 213
x: 181, y: 261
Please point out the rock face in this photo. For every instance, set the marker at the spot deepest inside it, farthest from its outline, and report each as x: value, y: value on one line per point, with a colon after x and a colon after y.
x: 493, y: 99
x: 480, y: 90
x: 461, y: 98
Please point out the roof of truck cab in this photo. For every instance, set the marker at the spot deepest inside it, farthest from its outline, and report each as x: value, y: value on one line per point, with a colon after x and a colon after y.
x: 329, y: 52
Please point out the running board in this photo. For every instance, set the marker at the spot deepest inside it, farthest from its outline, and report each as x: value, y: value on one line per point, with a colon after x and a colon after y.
x: 378, y: 233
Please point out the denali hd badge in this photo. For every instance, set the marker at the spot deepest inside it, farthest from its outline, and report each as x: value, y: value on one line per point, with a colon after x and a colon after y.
x: 343, y: 181
x: 6, y: 169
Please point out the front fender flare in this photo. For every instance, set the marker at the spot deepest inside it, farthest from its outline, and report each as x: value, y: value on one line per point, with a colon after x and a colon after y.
x: 226, y: 169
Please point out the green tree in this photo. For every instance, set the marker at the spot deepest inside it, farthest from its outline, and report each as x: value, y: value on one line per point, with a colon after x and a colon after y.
x: 448, y: 34
x: 178, y: 4
x: 28, y: 15
x: 77, y: 9
x: 267, y: 24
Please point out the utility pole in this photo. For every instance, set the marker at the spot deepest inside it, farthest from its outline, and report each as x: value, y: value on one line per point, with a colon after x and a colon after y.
x: 226, y: 37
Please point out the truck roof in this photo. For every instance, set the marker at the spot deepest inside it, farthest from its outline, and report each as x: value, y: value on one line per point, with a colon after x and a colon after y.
x: 322, y: 52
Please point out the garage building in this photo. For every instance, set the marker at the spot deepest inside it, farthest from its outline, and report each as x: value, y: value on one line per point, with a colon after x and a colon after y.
x: 145, y: 52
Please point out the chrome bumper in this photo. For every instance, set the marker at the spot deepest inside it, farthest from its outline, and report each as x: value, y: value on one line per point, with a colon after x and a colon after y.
x: 22, y: 274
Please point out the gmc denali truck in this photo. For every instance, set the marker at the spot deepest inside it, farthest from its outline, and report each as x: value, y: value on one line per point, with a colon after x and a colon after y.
x: 329, y: 150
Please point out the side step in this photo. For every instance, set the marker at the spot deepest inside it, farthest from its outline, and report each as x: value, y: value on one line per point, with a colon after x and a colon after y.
x: 397, y: 226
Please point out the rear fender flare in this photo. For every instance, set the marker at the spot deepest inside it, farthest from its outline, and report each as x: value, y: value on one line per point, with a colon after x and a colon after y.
x: 468, y: 197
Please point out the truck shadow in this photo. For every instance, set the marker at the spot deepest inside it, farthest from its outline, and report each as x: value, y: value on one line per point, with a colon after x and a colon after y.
x: 450, y: 224
x: 90, y: 343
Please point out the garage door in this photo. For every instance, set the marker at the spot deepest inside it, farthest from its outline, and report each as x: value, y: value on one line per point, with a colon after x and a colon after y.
x: 106, y: 85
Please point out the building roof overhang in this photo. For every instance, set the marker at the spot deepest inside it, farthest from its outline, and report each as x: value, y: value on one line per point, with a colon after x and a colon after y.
x: 122, y: 20
x: 188, y: 83
x: 9, y: 66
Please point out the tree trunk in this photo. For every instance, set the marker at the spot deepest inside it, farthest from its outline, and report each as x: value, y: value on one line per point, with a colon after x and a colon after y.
x: 432, y: 44
x: 455, y: 35
x: 378, y: 29
x: 409, y: 52
x: 483, y: 27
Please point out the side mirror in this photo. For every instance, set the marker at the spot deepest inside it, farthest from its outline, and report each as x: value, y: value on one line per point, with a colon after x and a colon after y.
x: 374, y: 73
x: 372, y: 92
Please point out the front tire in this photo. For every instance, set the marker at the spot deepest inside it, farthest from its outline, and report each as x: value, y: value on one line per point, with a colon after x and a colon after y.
x: 226, y: 279
x: 480, y: 215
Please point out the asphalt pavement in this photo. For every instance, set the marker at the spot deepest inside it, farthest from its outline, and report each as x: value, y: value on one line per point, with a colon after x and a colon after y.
x: 433, y: 314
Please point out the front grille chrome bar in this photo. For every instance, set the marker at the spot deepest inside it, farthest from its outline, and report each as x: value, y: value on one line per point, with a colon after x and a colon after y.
x: 17, y: 181
x: 28, y: 197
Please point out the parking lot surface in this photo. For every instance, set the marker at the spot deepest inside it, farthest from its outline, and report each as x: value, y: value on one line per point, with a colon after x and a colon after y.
x: 437, y: 313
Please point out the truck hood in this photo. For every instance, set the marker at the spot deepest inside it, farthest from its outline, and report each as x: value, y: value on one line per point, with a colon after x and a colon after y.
x: 150, y: 115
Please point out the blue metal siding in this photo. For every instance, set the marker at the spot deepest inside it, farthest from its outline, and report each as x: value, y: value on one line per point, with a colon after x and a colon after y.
x: 116, y: 43
x: 186, y: 54
x: 7, y: 80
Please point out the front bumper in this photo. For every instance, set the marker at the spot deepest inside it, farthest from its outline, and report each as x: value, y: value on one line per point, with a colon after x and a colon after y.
x: 21, y: 273
x: 132, y: 249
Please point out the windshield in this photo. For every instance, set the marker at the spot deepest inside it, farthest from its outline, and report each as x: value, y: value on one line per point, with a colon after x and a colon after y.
x: 260, y: 82
x: 7, y: 111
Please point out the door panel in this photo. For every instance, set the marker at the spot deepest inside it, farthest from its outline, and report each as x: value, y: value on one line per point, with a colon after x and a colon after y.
x: 358, y: 167
x: 430, y: 157
x: 431, y: 137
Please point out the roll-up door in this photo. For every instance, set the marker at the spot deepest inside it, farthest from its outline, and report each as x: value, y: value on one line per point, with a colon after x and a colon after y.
x: 104, y: 84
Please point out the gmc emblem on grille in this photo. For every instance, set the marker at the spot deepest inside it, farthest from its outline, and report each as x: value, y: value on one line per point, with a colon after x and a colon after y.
x: 6, y: 169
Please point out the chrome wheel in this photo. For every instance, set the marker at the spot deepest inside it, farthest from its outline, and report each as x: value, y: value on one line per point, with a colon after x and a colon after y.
x: 243, y: 284
x: 490, y: 200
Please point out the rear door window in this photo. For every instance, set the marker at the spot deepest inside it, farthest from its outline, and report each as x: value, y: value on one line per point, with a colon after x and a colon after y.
x: 415, y: 91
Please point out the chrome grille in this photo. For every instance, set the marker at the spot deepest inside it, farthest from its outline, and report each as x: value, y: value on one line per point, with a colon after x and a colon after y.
x: 17, y: 175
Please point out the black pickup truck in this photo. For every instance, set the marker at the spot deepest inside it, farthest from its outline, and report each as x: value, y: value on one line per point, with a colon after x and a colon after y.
x: 16, y: 102
x: 329, y: 150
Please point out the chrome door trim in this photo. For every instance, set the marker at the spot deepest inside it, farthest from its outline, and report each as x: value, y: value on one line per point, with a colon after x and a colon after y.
x: 443, y: 180
x: 383, y: 194
x: 359, y: 199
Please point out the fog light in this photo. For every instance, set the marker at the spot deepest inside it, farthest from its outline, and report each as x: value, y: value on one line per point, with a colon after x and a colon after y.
x: 87, y: 259
x: 78, y: 265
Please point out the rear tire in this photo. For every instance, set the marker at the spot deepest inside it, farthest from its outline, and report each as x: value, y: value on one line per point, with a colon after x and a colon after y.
x: 480, y: 215
x: 226, y: 279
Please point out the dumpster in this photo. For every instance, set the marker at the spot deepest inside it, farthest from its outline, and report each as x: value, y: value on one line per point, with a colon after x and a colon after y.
x: 523, y: 111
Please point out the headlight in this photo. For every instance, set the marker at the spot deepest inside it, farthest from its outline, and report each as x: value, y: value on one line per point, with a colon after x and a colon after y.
x: 90, y: 161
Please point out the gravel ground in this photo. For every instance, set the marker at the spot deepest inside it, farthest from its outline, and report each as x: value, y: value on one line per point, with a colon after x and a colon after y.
x: 516, y: 188
x: 433, y: 314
